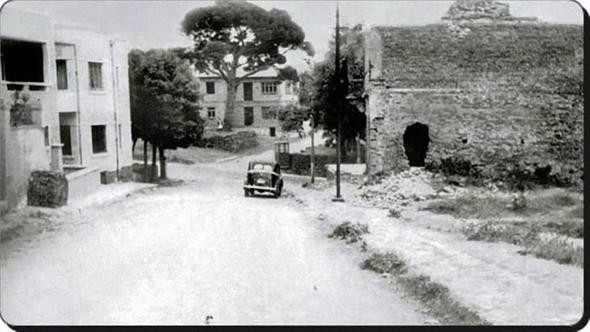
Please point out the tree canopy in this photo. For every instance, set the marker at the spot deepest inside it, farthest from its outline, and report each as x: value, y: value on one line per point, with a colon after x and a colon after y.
x: 291, y: 117
x: 164, y: 100
x: 236, y: 39
x: 322, y: 92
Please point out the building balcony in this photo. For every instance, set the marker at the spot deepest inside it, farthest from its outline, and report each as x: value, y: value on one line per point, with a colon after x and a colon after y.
x: 24, y: 101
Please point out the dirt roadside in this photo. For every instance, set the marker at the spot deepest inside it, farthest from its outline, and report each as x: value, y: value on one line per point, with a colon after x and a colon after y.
x: 491, y: 279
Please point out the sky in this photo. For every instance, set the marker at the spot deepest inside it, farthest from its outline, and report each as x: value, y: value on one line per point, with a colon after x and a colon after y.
x: 156, y: 24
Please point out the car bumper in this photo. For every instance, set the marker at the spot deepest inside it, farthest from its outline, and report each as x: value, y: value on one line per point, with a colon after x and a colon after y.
x: 260, y: 188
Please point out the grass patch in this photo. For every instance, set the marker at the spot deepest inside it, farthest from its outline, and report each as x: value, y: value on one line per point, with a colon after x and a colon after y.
x: 571, y: 228
x: 577, y: 212
x: 10, y: 233
x: 435, y: 297
x: 170, y: 182
x: 385, y: 263
x: 471, y: 206
x: 556, y: 249
x: 350, y: 232
x: 494, y: 231
x: 180, y: 160
x: 439, y: 302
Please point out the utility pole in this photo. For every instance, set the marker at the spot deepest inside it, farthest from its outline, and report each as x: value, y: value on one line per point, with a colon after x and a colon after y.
x: 312, y: 122
x: 337, y: 102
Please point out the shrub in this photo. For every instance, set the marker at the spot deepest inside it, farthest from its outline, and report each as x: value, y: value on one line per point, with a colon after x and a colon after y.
x: 519, y: 202
x: 394, y: 213
x: 385, y: 263
x: 557, y: 249
x: 494, y: 231
x: 350, y: 232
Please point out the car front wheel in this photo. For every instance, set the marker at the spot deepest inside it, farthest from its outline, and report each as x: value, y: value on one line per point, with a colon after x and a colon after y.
x: 278, y: 192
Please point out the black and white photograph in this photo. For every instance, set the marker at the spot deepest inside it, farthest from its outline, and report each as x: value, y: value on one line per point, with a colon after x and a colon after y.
x: 292, y: 163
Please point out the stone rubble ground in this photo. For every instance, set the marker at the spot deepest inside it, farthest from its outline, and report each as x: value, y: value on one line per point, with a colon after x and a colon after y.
x: 414, y: 184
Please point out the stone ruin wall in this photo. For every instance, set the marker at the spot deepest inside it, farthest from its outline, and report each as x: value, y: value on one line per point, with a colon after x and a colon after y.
x: 498, y: 95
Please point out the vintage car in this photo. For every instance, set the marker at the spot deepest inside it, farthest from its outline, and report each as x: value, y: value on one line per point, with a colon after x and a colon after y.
x: 263, y: 176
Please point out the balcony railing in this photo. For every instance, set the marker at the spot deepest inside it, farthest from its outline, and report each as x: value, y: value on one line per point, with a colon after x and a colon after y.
x: 25, y: 86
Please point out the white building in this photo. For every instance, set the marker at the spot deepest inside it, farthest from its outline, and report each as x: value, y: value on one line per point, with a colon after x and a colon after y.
x: 257, y: 99
x: 79, y: 121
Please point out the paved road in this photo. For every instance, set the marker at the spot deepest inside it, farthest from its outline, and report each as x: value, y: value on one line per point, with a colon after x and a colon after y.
x: 177, y: 255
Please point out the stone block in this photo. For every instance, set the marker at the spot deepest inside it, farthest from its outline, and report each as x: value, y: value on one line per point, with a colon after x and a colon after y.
x: 47, y: 189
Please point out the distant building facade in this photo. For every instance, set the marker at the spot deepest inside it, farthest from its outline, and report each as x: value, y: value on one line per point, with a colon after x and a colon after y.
x: 257, y: 99
x: 77, y: 118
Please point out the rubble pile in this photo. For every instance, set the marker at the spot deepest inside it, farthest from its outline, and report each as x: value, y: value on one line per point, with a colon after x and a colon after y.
x: 414, y: 184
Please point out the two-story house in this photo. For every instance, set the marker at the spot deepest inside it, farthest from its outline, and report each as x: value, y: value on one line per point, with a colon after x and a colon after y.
x: 258, y: 98
x: 73, y: 83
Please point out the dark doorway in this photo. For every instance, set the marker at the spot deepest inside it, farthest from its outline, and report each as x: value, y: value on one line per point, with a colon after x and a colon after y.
x: 272, y: 132
x: 248, y: 91
x: 416, y: 140
x: 66, y: 139
x: 248, y: 116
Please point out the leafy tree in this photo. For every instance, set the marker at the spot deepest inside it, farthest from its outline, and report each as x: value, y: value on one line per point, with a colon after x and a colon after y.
x: 164, y: 102
x: 236, y: 39
x: 291, y: 117
x: 326, y: 94
x: 306, y: 81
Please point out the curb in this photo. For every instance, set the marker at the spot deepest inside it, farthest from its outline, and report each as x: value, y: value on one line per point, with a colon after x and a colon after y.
x: 223, y: 160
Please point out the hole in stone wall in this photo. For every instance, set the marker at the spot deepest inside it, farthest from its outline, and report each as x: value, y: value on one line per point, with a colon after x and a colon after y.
x: 416, y: 140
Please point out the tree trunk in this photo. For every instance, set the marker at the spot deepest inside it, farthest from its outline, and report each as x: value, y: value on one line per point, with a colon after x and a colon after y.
x: 229, y: 104
x: 343, y: 147
x: 154, y: 170
x: 358, y: 149
x: 145, y: 161
x: 162, y: 163
x: 133, y: 146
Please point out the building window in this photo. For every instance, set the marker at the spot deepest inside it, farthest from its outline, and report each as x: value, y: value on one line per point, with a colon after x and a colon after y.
x: 210, y: 88
x: 211, y: 112
x: 46, y: 135
x: 268, y: 113
x: 66, y: 140
x: 95, y: 74
x: 99, y: 140
x: 22, y: 61
x: 288, y: 88
x: 62, y: 74
x: 269, y: 88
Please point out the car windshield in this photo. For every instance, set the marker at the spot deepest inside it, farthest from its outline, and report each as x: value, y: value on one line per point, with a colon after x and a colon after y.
x: 262, y: 167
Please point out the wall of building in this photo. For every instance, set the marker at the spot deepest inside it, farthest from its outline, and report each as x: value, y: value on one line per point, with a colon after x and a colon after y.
x: 500, y: 95
x: 27, y: 153
x: 260, y: 100
x: 31, y: 147
x: 28, y: 147
x: 4, y: 115
x: 108, y: 106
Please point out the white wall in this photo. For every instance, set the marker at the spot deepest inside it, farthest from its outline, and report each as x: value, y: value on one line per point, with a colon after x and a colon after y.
x: 218, y: 100
x: 108, y: 106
